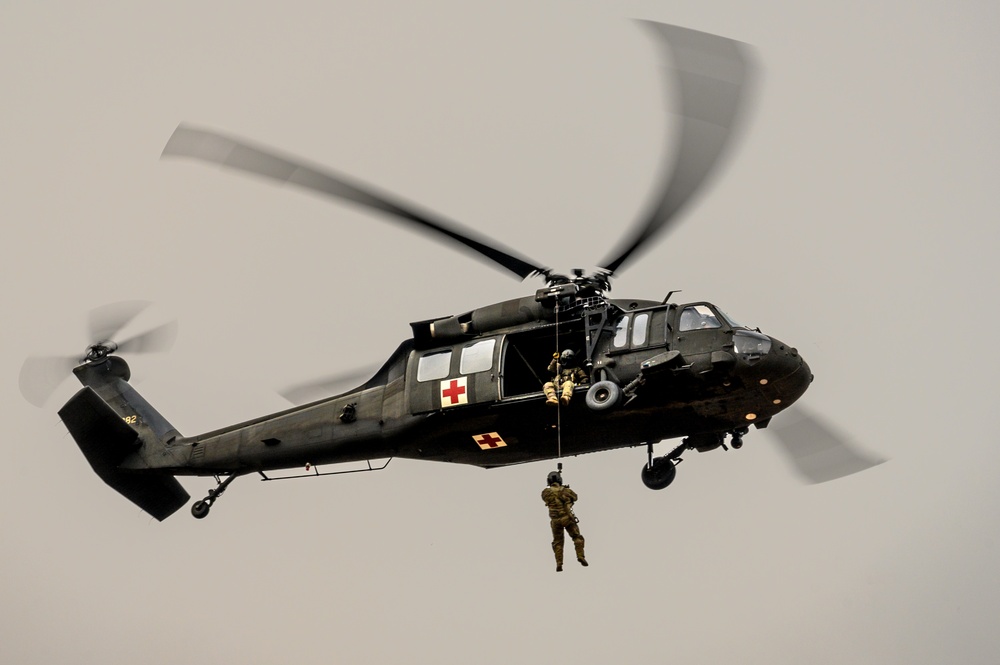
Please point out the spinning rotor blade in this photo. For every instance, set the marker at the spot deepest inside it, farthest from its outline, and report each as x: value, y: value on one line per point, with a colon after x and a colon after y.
x: 711, y: 74
x: 330, y: 386
x: 210, y: 146
x: 817, y: 452
x: 105, y: 321
x: 160, y: 338
x: 41, y: 375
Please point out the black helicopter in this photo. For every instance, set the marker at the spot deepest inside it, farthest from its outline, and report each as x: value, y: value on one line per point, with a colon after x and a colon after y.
x: 468, y: 388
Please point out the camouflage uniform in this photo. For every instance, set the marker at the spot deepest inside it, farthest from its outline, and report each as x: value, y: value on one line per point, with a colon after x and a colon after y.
x: 565, y: 378
x: 560, y: 501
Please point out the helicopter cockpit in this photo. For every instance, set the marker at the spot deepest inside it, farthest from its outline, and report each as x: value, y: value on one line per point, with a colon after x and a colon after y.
x: 698, y: 317
x: 749, y: 345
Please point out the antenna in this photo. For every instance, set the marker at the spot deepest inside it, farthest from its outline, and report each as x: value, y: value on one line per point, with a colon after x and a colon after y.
x: 667, y: 299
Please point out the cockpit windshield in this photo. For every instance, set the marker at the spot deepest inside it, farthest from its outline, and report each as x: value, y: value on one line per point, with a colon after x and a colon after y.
x: 751, y: 346
x: 731, y: 321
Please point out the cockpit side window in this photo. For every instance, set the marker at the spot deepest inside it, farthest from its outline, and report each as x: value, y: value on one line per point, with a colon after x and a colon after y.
x: 433, y: 366
x: 698, y: 317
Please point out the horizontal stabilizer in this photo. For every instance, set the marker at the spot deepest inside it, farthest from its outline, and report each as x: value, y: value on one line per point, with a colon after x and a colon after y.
x: 106, y: 440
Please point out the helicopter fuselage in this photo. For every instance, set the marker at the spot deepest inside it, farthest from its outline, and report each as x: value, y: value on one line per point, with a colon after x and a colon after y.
x: 683, y: 371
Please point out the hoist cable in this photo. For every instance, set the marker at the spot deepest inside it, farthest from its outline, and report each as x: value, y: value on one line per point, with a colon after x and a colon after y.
x: 558, y: 390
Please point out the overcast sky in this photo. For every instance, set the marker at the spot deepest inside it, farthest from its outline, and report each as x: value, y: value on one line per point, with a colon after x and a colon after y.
x: 854, y: 220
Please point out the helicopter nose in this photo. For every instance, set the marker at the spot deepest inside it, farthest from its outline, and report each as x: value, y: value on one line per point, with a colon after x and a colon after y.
x: 786, y: 375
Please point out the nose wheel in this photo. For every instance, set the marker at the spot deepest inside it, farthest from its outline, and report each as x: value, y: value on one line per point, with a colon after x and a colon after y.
x: 200, y: 508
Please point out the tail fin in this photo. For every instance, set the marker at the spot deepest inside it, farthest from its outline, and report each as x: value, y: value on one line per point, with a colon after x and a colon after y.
x: 113, y: 425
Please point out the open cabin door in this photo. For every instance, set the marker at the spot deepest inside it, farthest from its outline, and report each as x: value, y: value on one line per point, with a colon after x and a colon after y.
x: 454, y: 376
x: 526, y: 357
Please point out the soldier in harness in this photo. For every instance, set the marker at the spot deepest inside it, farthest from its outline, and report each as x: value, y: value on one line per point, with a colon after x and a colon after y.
x: 560, y: 499
x: 566, y: 375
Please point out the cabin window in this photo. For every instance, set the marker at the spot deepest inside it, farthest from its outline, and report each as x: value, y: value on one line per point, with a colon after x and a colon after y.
x: 698, y: 317
x: 434, y: 366
x: 640, y: 328
x: 621, y: 333
x: 477, y: 357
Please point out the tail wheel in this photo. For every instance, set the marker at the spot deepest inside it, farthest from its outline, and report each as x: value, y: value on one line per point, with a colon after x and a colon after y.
x: 603, y: 395
x: 200, y: 509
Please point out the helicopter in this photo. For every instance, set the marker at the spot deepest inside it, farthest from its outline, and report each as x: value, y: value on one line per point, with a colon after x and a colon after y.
x: 468, y: 388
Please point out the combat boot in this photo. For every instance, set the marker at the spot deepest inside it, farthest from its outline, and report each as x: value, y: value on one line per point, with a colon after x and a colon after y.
x: 583, y: 562
x: 558, y: 567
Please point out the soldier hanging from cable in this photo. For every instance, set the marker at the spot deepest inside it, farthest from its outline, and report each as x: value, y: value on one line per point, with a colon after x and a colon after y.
x: 566, y: 375
x: 560, y: 499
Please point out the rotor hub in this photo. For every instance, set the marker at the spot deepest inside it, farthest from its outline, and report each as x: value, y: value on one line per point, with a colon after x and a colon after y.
x: 100, y: 351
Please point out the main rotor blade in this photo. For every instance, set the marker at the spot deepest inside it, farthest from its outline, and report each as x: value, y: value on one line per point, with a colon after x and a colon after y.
x: 41, y: 375
x: 330, y: 386
x: 160, y: 338
x: 816, y: 451
x: 210, y: 146
x: 711, y: 74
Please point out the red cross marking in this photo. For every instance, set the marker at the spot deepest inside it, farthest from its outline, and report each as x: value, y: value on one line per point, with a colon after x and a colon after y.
x: 453, y: 391
x: 488, y: 440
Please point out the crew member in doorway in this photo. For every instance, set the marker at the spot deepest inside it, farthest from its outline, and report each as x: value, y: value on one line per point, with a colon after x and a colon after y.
x: 560, y: 499
x: 566, y: 375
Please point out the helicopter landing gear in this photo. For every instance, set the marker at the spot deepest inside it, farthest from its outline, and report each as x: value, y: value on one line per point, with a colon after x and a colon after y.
x: 659, y: 472
x: 200, y: 508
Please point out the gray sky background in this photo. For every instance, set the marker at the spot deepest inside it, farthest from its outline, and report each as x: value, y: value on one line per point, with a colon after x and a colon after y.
x: 855, y: 220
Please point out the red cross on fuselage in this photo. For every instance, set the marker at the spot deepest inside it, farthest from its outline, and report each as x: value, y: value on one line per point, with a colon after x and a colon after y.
x: 489, y: 440
x: 453, y: 391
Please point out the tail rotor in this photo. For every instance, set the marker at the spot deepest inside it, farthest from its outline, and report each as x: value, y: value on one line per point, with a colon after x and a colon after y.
x: 41, y: 376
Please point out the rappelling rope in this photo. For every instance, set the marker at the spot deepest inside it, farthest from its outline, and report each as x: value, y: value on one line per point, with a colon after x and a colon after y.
x: 558, y: 391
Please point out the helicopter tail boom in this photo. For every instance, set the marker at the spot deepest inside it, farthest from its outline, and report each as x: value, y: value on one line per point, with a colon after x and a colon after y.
x: 123, y: 438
